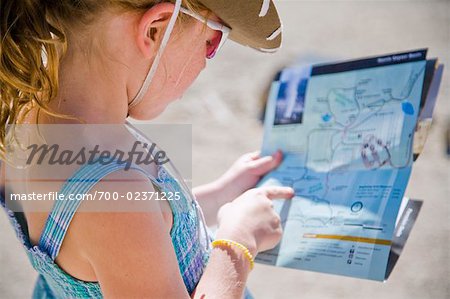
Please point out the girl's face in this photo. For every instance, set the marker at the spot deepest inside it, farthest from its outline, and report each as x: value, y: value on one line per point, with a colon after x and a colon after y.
x: 182, y: 61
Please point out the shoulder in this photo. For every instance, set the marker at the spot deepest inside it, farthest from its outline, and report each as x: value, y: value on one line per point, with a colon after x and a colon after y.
x: 117, y: 212
x: 127, y: 247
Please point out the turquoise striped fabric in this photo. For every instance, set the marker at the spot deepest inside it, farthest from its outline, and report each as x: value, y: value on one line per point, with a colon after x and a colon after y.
x: 53, y: 282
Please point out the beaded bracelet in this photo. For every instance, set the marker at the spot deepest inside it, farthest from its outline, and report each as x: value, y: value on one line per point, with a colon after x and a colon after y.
x: 229, y: 243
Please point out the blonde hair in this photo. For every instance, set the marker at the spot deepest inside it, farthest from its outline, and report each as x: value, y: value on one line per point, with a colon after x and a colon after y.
x: 33, y: 41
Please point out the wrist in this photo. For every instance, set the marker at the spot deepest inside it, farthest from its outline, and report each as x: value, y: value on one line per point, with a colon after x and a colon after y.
x: 247, y: 241
x: 207, y: 191
x: 218, y: 189
x: 239, y: 253
x: 229, y: 188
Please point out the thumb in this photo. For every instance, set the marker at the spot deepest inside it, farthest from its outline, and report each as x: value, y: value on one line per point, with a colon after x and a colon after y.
x: 263, y: 165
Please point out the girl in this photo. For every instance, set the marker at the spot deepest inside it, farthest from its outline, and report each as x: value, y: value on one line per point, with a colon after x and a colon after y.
x: 100, y: 62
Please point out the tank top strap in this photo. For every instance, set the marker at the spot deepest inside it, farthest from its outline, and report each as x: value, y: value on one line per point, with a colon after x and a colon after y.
x: 63, y: 211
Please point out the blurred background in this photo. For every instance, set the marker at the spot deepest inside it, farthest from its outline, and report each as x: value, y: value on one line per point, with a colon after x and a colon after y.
x: 224, y: 106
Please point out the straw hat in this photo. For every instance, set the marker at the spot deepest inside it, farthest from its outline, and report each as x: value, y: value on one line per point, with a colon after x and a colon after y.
x: 253, y: 23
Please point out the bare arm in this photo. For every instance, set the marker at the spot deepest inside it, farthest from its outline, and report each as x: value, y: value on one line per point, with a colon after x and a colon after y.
x: 132, y: 255
x: 211, y: 197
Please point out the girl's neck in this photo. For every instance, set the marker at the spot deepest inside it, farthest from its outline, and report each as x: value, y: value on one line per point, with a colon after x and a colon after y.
x: 91, y: 91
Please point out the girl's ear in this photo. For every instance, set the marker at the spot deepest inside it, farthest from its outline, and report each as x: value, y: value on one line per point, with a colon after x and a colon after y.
x: 151, y: 27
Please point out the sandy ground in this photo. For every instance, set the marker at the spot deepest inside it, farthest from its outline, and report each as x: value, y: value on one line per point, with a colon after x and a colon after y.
x: 223, y: 107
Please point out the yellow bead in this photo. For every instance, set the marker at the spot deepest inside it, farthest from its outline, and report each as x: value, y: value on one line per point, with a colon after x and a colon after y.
x: 230, y: 243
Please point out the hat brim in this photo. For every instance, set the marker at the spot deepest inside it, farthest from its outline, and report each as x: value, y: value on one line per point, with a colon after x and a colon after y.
x: 253, y: 23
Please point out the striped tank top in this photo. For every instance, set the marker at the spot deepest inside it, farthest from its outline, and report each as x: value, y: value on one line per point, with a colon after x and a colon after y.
x: 189, y: 234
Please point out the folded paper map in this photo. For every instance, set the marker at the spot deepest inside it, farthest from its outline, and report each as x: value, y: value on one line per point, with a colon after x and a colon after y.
x: 347, y: 130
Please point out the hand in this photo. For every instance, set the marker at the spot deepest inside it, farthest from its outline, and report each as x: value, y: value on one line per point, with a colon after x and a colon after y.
x: 251, y: 220
x: 246, y: 172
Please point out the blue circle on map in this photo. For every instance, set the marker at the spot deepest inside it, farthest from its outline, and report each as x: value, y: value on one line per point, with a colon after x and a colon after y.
x: 408, y: 108
x: 326, y: 117
x: 356, y: 206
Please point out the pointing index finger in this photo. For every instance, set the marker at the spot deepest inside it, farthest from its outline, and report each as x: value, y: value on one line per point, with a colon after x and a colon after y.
x: 277, y: 192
